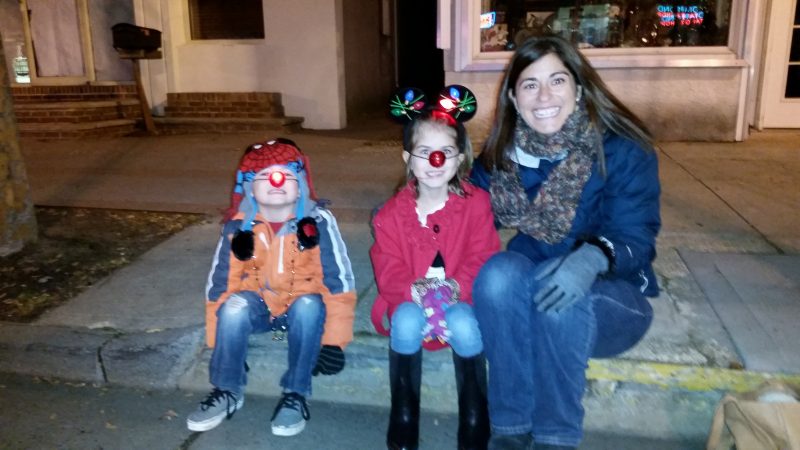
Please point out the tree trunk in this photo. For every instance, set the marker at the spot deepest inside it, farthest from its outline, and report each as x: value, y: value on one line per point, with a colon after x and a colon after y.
x: 17, y: 216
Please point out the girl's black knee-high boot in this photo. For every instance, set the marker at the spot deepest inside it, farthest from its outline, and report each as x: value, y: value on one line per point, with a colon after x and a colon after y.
x: 405, y: 374
x: 473, y: 412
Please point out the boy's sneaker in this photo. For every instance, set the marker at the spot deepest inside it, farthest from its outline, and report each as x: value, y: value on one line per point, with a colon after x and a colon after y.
x: 290, y: 415
x: 218, y: 406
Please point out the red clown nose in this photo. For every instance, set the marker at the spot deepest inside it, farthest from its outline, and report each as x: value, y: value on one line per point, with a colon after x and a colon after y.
x: 437, y: 158
x: 277, y: 179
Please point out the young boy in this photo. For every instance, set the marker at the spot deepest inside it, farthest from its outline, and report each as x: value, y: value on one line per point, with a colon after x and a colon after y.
x: 280, y: 265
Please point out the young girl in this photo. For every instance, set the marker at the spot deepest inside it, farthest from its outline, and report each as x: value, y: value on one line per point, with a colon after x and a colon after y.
x: 431, y: 239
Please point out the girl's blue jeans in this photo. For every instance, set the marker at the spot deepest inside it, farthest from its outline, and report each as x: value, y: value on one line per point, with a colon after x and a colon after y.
x: 537, y: 361
x: 245, y: 313
x: 408, y: 320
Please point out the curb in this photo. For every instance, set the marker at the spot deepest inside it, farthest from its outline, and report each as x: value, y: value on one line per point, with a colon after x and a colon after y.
x: 676, y: 376
x: 167, y: 358
x: 651, y: 399
x: 143, y: 359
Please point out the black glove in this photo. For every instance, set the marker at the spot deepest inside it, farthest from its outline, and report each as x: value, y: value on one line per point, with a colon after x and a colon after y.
x: 330, y: 360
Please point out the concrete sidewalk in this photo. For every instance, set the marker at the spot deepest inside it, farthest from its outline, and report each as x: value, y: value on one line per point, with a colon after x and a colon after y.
x: 729, y: 238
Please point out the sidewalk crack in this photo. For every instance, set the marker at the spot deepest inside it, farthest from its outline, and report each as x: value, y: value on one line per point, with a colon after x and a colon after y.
x: 777, y: 248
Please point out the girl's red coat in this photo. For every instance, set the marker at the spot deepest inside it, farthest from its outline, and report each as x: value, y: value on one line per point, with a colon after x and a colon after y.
x: 463, y: 231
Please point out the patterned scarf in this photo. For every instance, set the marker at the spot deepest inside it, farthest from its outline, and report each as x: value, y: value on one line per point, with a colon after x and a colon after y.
x: 548, y: 217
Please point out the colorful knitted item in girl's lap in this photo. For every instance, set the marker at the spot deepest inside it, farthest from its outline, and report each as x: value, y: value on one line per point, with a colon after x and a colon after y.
x: 434, y: 296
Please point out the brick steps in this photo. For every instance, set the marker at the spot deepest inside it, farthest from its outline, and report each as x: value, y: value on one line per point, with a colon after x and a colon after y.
x: 49, y: 94
x: 77, y: 111
x: 222, y: 112
x: 69, y: 112
x: 103, y: 128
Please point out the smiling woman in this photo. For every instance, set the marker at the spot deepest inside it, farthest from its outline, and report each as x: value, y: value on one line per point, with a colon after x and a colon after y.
x: 574, y: 172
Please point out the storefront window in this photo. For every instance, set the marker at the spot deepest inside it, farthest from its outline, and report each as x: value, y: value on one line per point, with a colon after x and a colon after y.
x: 220, y: 19
x: 613, y: 24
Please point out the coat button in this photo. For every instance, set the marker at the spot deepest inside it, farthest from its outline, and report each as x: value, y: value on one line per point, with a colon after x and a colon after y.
x: 436, y: 228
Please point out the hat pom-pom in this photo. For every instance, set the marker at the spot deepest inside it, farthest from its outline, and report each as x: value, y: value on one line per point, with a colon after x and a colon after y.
x: 307, y: 233
x: 242, y: 245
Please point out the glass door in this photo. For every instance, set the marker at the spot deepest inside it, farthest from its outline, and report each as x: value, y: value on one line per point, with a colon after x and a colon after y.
x: 57, y: 41
x: 780, y: 91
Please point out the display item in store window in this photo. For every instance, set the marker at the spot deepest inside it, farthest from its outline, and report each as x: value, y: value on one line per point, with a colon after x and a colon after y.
x: 495, y: 38
x: 641, y: 26
x: 587, y: 28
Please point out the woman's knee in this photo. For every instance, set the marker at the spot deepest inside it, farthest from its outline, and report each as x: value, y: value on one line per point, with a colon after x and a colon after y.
x: 500, y: 277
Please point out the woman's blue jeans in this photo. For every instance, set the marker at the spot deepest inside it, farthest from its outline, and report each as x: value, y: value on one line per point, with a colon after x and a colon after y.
x: 245, y: 313
x: 408, y: 320
x: 537, y: 361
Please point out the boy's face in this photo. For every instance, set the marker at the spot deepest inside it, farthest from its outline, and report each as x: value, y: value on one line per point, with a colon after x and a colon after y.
x: 268, y: 194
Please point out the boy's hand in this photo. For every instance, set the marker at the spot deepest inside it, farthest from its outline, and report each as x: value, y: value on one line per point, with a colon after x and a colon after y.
x: 330, y: 360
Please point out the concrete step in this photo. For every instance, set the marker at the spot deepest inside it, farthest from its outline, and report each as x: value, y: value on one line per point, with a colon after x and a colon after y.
x: 625, y: 397
x: 252, y: 112
x: 103, y: 128
x: 181, y: 125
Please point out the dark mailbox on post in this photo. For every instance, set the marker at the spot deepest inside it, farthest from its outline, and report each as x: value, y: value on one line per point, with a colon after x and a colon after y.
x: 131, y: 38
x: 134, y: 43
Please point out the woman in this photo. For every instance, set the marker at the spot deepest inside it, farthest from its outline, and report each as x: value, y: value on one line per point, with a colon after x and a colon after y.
x: 575, y: 173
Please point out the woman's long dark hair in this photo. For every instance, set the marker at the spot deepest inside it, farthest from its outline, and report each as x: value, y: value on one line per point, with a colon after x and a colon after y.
x: 604, y: 109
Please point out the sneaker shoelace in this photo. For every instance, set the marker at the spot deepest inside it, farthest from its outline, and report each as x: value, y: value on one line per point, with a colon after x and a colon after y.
x: 295, y: 401
x: 216, y: 396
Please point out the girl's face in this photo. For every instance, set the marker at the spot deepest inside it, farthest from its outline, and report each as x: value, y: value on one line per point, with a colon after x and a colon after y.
x: 431, y: 137
x: 545, y: 94
x: 275, y: 186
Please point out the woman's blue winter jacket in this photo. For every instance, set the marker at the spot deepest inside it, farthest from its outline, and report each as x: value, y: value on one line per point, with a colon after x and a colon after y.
x: 622, y: 207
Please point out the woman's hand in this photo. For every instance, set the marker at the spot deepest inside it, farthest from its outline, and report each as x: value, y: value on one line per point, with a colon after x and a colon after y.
x: 565, y: 281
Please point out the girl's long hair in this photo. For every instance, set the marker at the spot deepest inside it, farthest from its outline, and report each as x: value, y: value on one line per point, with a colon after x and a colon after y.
x: 604, y: 109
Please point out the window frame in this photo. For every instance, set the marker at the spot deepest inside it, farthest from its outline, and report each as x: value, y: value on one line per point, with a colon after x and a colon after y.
x: 190, y: 34
x: 469, y: 58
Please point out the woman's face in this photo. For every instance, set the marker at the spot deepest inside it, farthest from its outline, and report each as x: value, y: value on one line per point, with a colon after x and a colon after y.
x: 545, y: 94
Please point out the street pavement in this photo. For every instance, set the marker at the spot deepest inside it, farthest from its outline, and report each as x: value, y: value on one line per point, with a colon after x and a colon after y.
x: 727, y: 263
x: 75, y: 415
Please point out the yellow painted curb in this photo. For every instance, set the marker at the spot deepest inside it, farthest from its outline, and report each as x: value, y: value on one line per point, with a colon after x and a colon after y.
x: 693, y: 378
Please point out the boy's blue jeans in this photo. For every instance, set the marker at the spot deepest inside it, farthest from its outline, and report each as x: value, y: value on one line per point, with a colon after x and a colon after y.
x: 537, y: 361
x: 408, y: 320
x: 245, y: 313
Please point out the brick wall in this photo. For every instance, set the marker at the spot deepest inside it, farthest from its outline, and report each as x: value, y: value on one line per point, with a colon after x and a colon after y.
x: 37, y: 94
x: 224, y: 104
x: 17, y: 217
x: 78, y: 112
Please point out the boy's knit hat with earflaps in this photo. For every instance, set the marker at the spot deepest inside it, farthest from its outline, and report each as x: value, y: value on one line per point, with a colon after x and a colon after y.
x: 257, y: 157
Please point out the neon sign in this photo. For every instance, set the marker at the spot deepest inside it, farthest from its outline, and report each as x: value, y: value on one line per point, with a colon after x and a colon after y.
x: 682, y: 15
x: 488, y: 19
